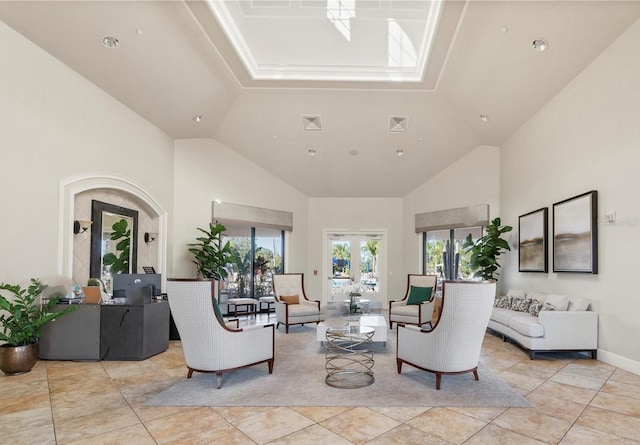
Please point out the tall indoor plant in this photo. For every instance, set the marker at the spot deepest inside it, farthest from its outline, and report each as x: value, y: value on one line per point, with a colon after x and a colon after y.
x: 485, y: 250
x: 210, y: 257
x: 21, y: 321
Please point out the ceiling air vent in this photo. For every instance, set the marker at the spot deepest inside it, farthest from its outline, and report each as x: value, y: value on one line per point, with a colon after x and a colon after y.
x: 311, y: 123
x: 398, y: 124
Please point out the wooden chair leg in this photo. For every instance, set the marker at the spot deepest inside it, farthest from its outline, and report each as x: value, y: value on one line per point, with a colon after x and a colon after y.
x: 438, y: 380
x: 218, y: 380
x: 475, y: 374
x: 271, y: 366
x: 189, y: 373
x: 399, y: 365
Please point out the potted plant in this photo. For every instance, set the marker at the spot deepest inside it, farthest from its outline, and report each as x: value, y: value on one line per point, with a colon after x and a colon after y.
x: 21, y: 322
x: 93, y: 295
x: 210, y: 257
x: 485, y: 250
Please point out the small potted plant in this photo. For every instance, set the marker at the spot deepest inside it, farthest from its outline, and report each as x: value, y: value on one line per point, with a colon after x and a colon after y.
x: 21, y: 322
x: 93, y: 295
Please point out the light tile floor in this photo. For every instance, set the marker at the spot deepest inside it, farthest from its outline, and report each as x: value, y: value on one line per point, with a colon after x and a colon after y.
x: 576, y: 401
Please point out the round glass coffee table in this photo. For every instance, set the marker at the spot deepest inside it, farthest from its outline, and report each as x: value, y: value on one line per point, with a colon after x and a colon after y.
x: 349, y: 357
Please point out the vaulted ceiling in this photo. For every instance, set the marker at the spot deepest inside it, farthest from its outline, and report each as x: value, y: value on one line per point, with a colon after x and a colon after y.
x: 368, y: 78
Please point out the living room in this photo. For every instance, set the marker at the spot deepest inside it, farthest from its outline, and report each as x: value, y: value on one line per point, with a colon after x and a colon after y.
x: 56, y: 126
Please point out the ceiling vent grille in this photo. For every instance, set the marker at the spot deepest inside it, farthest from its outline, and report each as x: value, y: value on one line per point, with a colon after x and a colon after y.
x: 311, y: 123
x: 398, y: 124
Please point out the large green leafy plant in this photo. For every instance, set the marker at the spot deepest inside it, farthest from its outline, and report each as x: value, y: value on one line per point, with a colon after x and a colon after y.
x: 210, y: 258
x: 24, y: 316
x: 119, y: 261
x: 484, y: 251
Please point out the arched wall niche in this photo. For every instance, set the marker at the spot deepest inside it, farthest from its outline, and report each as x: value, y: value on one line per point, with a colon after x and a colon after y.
x: 75, y: 197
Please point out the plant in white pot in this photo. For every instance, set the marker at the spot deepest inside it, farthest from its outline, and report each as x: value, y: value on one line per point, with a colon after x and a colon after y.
x: 21, y: 320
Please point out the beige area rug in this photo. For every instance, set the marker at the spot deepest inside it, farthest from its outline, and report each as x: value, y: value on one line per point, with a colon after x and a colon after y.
x: 298, y: 380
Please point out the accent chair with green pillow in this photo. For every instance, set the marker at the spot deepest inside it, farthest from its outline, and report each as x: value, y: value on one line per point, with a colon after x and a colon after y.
x: 417, y: 305
x: 230, y: 323
x: 418, y: 295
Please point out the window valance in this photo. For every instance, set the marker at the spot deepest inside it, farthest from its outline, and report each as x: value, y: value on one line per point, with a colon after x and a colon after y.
x: 473, y: 216
x: 247, y: 216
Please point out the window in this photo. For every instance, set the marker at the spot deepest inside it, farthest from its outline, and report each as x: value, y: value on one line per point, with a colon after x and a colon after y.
x: 443, y: 254
x: 257, y: 253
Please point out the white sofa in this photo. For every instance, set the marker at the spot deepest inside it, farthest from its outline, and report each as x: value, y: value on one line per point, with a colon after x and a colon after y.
x: 566, y: 324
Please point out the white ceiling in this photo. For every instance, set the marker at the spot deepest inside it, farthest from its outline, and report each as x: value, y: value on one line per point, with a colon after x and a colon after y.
x: 182, y: 63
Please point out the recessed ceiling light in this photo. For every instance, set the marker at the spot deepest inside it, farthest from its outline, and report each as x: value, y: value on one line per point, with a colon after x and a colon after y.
x: 312, y: 151
x: 484, y: 118
x: 399, y: 152
x: 110, y: 42
x: 504, y: 29
x: 197, y: 118
x: 353, y: 152
x: 539, y: 44
x: 139, y: 31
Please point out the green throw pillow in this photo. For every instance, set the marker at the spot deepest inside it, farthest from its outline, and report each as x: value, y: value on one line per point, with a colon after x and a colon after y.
x: 419, y: 295
x: 216, y: 309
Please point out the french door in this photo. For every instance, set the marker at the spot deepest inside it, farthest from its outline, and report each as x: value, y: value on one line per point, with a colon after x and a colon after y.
x: 355, y: 259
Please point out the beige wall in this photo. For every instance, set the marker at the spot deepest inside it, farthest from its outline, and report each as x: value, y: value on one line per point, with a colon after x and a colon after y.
x: 587, y: 138
x: 206, y: 170
x: 472, y: 180
x: 55, y: 125
x: 346, y: 214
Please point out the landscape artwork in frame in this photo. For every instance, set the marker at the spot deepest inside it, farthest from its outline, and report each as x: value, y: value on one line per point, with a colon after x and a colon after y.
x: 532, y: 241
x: 575, y: 234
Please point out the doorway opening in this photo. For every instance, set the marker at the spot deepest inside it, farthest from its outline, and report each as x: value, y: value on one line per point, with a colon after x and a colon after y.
x: 355, y: 260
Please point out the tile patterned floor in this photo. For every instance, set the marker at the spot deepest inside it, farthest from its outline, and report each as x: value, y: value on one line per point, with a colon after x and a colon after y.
x: 576, y: 401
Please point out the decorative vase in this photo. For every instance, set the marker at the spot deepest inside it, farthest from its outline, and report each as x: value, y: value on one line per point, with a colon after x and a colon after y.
x: 16, y: 360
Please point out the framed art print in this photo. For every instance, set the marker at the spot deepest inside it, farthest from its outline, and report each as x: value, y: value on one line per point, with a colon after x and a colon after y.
x: 532, y: 241
x: 575, y: 234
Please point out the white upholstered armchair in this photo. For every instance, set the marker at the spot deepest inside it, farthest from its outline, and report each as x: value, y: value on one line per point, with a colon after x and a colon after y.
x: 292, y: 305
x: 418, y: 314
x: 210, y: 345
x: 452, y: 345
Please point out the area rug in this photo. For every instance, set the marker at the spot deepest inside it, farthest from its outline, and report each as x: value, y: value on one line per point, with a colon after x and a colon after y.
x: 298, y: 380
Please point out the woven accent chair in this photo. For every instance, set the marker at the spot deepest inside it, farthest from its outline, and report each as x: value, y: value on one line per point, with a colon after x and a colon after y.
x: 452, y: 345
x: 208, y: 343
x: 418, y: 314
x: 294, y: 311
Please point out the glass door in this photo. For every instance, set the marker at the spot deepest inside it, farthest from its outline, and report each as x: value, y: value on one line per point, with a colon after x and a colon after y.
x: 354, y: 264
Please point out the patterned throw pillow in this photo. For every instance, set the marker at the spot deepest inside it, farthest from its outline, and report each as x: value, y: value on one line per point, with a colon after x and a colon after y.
x: 521, y: 304
x: 534, y: 307
x: 503, y: 302
x: 548, y: 307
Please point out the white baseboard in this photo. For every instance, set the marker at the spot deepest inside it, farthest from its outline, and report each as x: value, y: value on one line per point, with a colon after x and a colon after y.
x: 619, y: 361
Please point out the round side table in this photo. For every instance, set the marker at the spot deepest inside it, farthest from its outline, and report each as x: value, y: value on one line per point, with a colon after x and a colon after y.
x: 349, y: 357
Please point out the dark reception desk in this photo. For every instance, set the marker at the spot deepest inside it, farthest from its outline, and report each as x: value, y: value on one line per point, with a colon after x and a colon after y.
x: 107, y: 332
